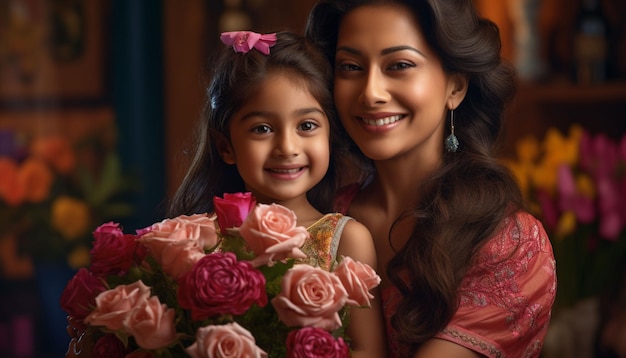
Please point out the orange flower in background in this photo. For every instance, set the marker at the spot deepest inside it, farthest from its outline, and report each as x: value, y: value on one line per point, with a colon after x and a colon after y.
x: 10, y: 189
x: 56, y: 151
x: 51, y: 198
x: 36, y: 179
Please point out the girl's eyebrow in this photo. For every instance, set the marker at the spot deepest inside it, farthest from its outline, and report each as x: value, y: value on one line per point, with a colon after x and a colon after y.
x: 385, y: 51
x: 298, y: 112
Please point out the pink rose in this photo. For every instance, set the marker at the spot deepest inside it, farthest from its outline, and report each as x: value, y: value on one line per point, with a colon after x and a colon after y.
x: 233, y: 209
x: 310, y: 297
x: 315, y: 342
x: 228, y: 340
x: 114, y: 305
x: 358, y: 279
x: 151, y: 324
x: 113, y: 252
x: 271, y: 233
x: 79, y: 295
x: 108, y: 346
x: 177, y: 244
x: 220, y: 285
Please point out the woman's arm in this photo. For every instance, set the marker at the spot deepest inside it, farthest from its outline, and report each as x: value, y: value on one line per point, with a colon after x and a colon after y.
x: 436, y: 348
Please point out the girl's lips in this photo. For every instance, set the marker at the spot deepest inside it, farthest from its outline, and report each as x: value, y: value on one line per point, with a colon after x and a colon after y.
x: 286, y: 173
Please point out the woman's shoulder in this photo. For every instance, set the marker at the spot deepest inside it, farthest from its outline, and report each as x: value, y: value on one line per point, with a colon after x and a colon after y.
x: 519, y: 233
x: 507, y: 295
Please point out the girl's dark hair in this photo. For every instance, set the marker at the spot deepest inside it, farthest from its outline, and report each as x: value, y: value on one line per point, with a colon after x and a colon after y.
x: 234, y: 78
x: 462, y: 204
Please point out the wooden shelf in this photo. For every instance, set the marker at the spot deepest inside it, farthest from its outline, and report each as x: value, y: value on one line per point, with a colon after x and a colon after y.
x: 539, y: 106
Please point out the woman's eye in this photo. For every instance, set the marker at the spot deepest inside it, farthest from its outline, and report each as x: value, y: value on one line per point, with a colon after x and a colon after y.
x: 261, y: 129
x: 308, y: 126
x: 348, y: 67
x: 398, y: 66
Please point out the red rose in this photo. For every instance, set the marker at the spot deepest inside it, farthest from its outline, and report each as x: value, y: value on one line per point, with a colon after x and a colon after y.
x: 108, y: 346
x: 233, y: 209
x: 113, y: 251
x: 315, y: 342
x: 218, y: 284
x: 79, y: 296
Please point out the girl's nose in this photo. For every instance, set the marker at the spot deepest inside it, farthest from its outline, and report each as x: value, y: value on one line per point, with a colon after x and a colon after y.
x: 287, y: 144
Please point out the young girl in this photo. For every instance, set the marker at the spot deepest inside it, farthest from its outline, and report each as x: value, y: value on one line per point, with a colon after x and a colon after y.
x: 268, y: 129
x: 420, y: 88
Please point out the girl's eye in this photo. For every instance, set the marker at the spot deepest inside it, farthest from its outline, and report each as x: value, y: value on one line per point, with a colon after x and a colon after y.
x: 399, y: 66
x: 308, y: 126
x: 261, y: 129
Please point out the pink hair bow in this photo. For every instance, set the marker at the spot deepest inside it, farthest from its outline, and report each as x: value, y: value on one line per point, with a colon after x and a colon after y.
x: 244, y: 41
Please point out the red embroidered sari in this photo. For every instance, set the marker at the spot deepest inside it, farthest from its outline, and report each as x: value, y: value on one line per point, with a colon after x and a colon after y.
x: 505, y: 298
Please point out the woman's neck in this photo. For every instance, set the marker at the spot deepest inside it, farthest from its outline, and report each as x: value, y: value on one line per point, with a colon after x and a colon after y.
x: 397, y: 181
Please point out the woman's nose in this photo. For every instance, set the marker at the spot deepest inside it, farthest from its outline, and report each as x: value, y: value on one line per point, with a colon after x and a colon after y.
x: 374, y: 90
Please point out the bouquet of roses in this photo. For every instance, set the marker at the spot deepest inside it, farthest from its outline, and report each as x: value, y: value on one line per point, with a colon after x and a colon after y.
x: 222, y: 285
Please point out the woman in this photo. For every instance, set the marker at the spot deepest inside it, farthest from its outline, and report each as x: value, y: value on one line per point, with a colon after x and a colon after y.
x: 420, y: 88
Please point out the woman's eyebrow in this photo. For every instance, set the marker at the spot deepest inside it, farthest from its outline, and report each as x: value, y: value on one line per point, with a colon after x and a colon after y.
x: 383, y: 52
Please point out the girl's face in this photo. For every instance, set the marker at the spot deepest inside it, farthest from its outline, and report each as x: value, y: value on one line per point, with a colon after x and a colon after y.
x: 390, y: 88
x: 279, y: 140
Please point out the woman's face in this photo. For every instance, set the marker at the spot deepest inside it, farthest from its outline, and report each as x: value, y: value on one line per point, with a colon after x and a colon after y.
x: 390, y: 88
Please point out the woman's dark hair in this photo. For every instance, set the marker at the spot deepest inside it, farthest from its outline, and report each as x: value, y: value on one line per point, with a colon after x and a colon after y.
x: 234, y: 78
x: 462, y: 204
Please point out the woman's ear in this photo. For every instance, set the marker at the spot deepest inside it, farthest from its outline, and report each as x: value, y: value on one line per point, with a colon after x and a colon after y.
x: 457, y: 85
x: 225, y: 149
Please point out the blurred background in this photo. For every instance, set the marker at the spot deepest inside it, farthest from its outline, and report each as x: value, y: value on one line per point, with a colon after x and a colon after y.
x: 99, y: 100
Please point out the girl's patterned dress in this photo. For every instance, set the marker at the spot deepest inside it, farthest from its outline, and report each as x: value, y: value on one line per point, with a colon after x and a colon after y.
x: 321, y: 248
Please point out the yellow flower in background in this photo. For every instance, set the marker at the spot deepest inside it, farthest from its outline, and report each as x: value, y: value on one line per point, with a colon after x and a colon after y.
x: 527, y: 149
x: 574, y: 183
x: 79, y: 257
x: 585, y: 186
x: 560, y: 149
x: 35, y: 177
x: 544, y: 176
x: 566, y: 224
x: 70, y: 217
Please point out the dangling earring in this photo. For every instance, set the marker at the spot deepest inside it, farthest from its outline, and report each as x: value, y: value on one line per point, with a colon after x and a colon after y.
x: 452, y: 143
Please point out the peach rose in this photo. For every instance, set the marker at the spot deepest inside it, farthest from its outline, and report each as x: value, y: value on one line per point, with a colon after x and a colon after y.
x: 151, y: 324
x: 114, y: 305
x: 177, y: 244
x: 228, y: 340
x: 197, y: 227
x: 358, y: 279
x: 310, y: 297
x: 271, y: 233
